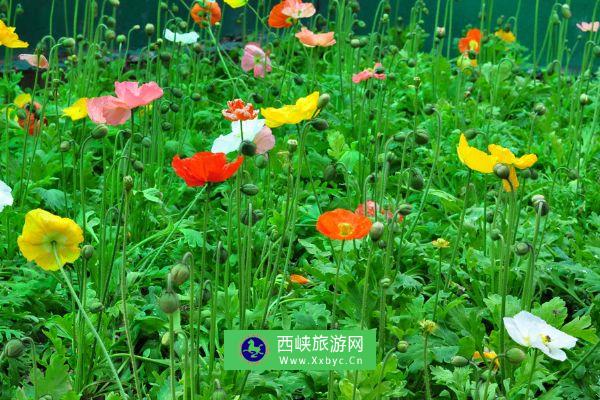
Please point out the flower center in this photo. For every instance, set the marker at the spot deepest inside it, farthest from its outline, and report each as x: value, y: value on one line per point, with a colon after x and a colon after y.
x: 546, y: 339
x: 345, y: 228
x: 473, y: 44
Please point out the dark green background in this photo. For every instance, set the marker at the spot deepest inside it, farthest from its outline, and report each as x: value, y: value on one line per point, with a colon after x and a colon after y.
x: 34, y: 23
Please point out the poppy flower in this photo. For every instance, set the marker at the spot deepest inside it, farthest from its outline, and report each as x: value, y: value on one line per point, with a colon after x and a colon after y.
x: 304, y: 109
x: 282, y: 14
x: 6, y: 198
x: 9, y: 38
x: 480, y: 161
x: 255, y: 59
x: 35, y: 60
x: 530, y: 331
x: 236, y: 3
x: 108, y: 110
x: 343, y: 224
x: 589, y: 26
x: 505, y: 36
x: 310, y: 39
x: 299, y: 279
x: 440, y: 243
x: 205, y: 167
x: 370, y: 207
x: 238, y: 110
x: 43, y: 232
x: 134, y: 95
x: 253, y: 130
x: 471, y: 42
x: 183, y: 38
x: 488, y: 355
x: 369, y: 73
x: 77, y: 110
x: 30, y: 119
x: 206, y: 10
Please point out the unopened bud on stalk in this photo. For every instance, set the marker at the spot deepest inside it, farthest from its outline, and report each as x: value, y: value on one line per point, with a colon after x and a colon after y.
x: 138, y: 166
x: 405, y: 209
x: 95, y: 306
x: 149, y: 29
x: 68, y: 43
x: 402, y: 346
x: 416, y: 180
x: 540, y: 204
x: 459, y: 361
x: 261, y: 161
x: 566, y: 11
x: 421, y: 136
x: 110, y: 35
x: 376, y: 231
x: 495, y: 234
x: 14, y: 348
x: 249, y: 189
x: 539, y: 109
x: 292, y: 145
x: 179, y: 274
x: 489, y: 217
x: 87, y: 251
x: 429, y: 109
x: 121, y: 39
x: 522, y: 248
x: 440, y: 32
x: 355, y: 43
x: 323, y: 101
x: 115, y: 3
x: 573, y: 174
x: 597, y: 51
x: 127, y: 183
x: 169, y: 302
x: 385, y: 282
x: 471, y: 133
x: 584, y: 99
x: 219, y: 393
x: 319, y: 124
x: 65, y: 146
x: 501, y: 171
x: 100, y: 131
x: 515, y: 356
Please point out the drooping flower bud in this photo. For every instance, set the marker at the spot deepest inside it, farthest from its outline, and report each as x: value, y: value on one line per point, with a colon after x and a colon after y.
x: 179, y: 274
x: 100, y: 131
x: 87, y: 251
x: 323, y: 101
x: 169, y: 302
x: 501, y: 171
x: 14, y: 348
x: 522, y: 248
x: 515, y: 355
x: 249, y: 189
x: 402, y: 346
x: 376, y: 231
x: 459, y: 361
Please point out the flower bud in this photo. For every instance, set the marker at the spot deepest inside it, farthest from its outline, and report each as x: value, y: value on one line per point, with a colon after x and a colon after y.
x: 121, y: 39
x: 87, y: 251
x: 459, y: 361
x: 522, y: 248
x: 127, y: 183
x: 515, y: 355
x: 440, y: 32
x: 257, y: 215
x: 99, y: 132
x: 320, y: 124
x: 376, y: 231
x: 114, y: 3
x: 416, y: 180
x: 14, y: 348
x: 402, y: 346
x: 489, y: 216
x: 573, y: 174
x: 149, y: 29
x: 249, y: 189
x: 584, y: 99
x: 355, y: 43
x: 565, y: 11
x: 495, y: 234
x: 169, y: 302
x: 219, y: 393
x: 292, y: 145
x: 597, y: 51
x: 421, y: 137
x: 298, y: 80
x: 179, y: 274
x: 429, y: 109
x: 323, y: 101
x: 501, y: 171
x: 68, y: 43
x: 385, y: 282
x: 110, y: 35
x: 427, y: 326
x: 165, y: 56
x: 405, y: 209
x: 400, y: 137
x: 65, y: 146
x: 95, y: 306
x: 248, y: 148
x: 539, y: 109
x: 261, y: 161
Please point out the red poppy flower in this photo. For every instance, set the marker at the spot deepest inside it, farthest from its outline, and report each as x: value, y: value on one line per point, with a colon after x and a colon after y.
x: 470, y: 42
x: 343, y: 224
x: 237, y: 110
x: 299, y: 279
x: 277, y: 19
x: 205, y: 167
x: 31, y: 121
x: 206, y: 10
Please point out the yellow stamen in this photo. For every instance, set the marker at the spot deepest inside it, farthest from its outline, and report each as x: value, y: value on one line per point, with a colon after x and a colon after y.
x: 345, y: 228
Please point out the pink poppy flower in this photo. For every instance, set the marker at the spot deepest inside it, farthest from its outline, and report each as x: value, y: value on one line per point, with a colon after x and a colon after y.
x: 589, y: 26
x: 108, y: 110
x: 35, y: 61
x: 264, y: 141
x: 256, y: 59
x: 136, y: 96
x: 368, y: 74
x: 296, y: 9
x: 370, y: 208
x: 310, y: 39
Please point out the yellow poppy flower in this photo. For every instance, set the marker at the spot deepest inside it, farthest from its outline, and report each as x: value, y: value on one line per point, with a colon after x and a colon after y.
x: 43, y: 231
x: 489, y: 355
x: 440, y: 243
x: 22, y: 99
x: 304, y: 109
x: 505, y: 36
x: 236, y: 3
x: 78, y: 110
x: 480, y: 161
x: 9, y: 38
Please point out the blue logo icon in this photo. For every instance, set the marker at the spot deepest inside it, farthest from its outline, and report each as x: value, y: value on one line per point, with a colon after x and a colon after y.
x: 253, y: 349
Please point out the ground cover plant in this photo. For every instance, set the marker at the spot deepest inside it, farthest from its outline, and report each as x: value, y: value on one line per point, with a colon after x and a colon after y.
x: 436, y: 183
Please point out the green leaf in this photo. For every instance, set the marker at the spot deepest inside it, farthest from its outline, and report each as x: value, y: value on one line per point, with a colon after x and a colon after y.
x: 553, y: 311
x: 337, y: 144
x: 580, y: 328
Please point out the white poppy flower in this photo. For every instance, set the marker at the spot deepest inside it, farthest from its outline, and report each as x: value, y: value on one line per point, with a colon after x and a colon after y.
x: 183, y: 38
x: 6, y: 198
x: 231, y: 142
x: 530, y: 331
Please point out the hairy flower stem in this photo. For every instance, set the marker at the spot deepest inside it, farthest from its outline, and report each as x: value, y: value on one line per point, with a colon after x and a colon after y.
x: 438, y: 283
x: 172, y: 356
x: 529, y: 289
x: 338, y: 262
x: 460, y: 228
x: 426, y: 367
x: 535, y: 355
x: 90, y: 325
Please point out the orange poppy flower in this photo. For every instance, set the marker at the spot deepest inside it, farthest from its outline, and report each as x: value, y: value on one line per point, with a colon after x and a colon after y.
x: 205, y: 167
x: 470, y: 42
x: 31, y: 121
x: 277, y: 19
x: 206, y: 10
x: 299, y: 279
x: 237, y: 110
x: 343, y: 224
x: 282, y: 14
